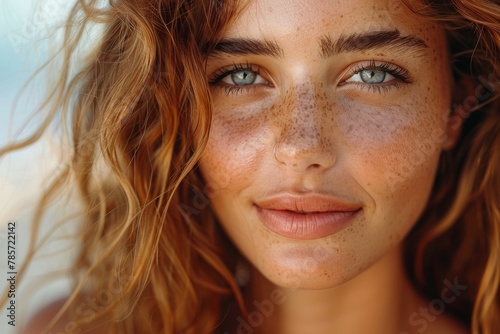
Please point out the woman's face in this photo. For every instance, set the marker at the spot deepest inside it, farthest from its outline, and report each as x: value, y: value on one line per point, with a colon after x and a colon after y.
x: 329, y: 119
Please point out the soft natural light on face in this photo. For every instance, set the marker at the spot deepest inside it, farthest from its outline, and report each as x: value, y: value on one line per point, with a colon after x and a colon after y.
x: 343, y: 106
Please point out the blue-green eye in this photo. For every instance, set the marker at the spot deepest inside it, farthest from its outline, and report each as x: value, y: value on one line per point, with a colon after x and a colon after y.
x: 243, y: 77
x: 238, y: 78
x: 371, y: 77
x: 378, y: 73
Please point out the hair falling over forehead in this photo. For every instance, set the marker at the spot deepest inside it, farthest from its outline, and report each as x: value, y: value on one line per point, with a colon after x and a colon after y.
x: 140, y: 105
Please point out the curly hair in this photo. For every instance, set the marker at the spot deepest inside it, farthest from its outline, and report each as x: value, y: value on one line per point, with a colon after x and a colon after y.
x: 138, y: 113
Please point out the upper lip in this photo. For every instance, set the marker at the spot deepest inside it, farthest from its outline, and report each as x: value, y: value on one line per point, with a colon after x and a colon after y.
x: 307, y: 203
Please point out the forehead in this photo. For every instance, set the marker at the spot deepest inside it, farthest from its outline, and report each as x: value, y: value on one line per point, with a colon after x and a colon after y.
x: 293, y: 19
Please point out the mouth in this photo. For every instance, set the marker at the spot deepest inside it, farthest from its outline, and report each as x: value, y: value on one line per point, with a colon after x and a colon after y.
x: 306, y: 217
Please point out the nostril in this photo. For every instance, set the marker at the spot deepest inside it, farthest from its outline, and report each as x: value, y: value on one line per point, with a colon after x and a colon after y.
x: 301, y: 156
x: 276, y: 155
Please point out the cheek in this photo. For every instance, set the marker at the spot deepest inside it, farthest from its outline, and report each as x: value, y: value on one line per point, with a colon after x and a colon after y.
x: 393, y: 154
x: 396, y: 150
x: 235, y: 149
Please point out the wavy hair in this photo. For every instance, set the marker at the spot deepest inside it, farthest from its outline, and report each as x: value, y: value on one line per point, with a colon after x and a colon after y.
x: 138, y: 113
x: 458, y: 236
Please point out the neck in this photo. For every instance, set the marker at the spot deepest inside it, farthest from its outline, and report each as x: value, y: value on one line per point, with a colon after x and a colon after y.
x: 378, y: 301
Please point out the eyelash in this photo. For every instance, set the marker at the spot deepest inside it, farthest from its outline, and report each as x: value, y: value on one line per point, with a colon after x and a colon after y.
x: 216, y: 78
x: 401, y: 75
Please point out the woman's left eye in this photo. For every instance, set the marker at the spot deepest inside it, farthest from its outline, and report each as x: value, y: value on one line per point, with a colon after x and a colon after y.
x: 377, y: 76
x: 371, y: 77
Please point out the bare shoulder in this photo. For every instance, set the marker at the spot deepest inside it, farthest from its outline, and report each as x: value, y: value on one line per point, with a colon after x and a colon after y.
x: 65, y: 324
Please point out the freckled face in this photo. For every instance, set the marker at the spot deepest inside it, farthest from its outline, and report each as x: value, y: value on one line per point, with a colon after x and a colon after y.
x: 355, y: 95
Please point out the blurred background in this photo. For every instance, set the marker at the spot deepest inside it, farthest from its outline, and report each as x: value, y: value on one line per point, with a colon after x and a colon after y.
x: 26, y: 39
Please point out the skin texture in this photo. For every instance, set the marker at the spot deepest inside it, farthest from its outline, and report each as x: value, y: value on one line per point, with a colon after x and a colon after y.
x: 378, y: 149
x: 375, y: 145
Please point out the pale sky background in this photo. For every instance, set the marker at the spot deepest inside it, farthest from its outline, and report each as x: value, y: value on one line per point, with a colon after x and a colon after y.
x: 24, y: 26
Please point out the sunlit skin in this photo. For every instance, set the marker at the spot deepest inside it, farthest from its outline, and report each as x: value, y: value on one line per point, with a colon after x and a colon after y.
x: 363, y: 124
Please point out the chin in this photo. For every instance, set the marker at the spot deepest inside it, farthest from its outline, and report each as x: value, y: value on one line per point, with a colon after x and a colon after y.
x: 306, y: 268
x: 311, y: 280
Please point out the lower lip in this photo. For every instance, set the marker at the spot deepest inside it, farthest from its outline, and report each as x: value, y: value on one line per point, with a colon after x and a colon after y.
x: 307, y: 226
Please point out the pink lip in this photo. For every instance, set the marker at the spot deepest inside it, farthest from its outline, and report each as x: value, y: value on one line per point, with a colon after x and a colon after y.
x: 306, y: 217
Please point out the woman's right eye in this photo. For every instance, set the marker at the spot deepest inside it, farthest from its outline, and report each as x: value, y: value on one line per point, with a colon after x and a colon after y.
x: 238, y: 75
x: 238, y: 78
x: 243, y: 78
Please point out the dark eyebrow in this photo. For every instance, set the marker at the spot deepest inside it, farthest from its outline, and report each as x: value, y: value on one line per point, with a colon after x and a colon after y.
x: 243, y: 46
x: 391, y: 39
x: 352, y: 43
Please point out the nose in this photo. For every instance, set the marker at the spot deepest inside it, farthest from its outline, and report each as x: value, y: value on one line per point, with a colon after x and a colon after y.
x: 306, y: 127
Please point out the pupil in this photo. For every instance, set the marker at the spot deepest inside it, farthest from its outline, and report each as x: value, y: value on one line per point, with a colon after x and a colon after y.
x: 243, y: 77
x: 373, y: 76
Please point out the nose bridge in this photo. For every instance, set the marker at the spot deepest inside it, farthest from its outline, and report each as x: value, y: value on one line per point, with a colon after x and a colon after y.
x: 304, y: 139
x: 301, y: 123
